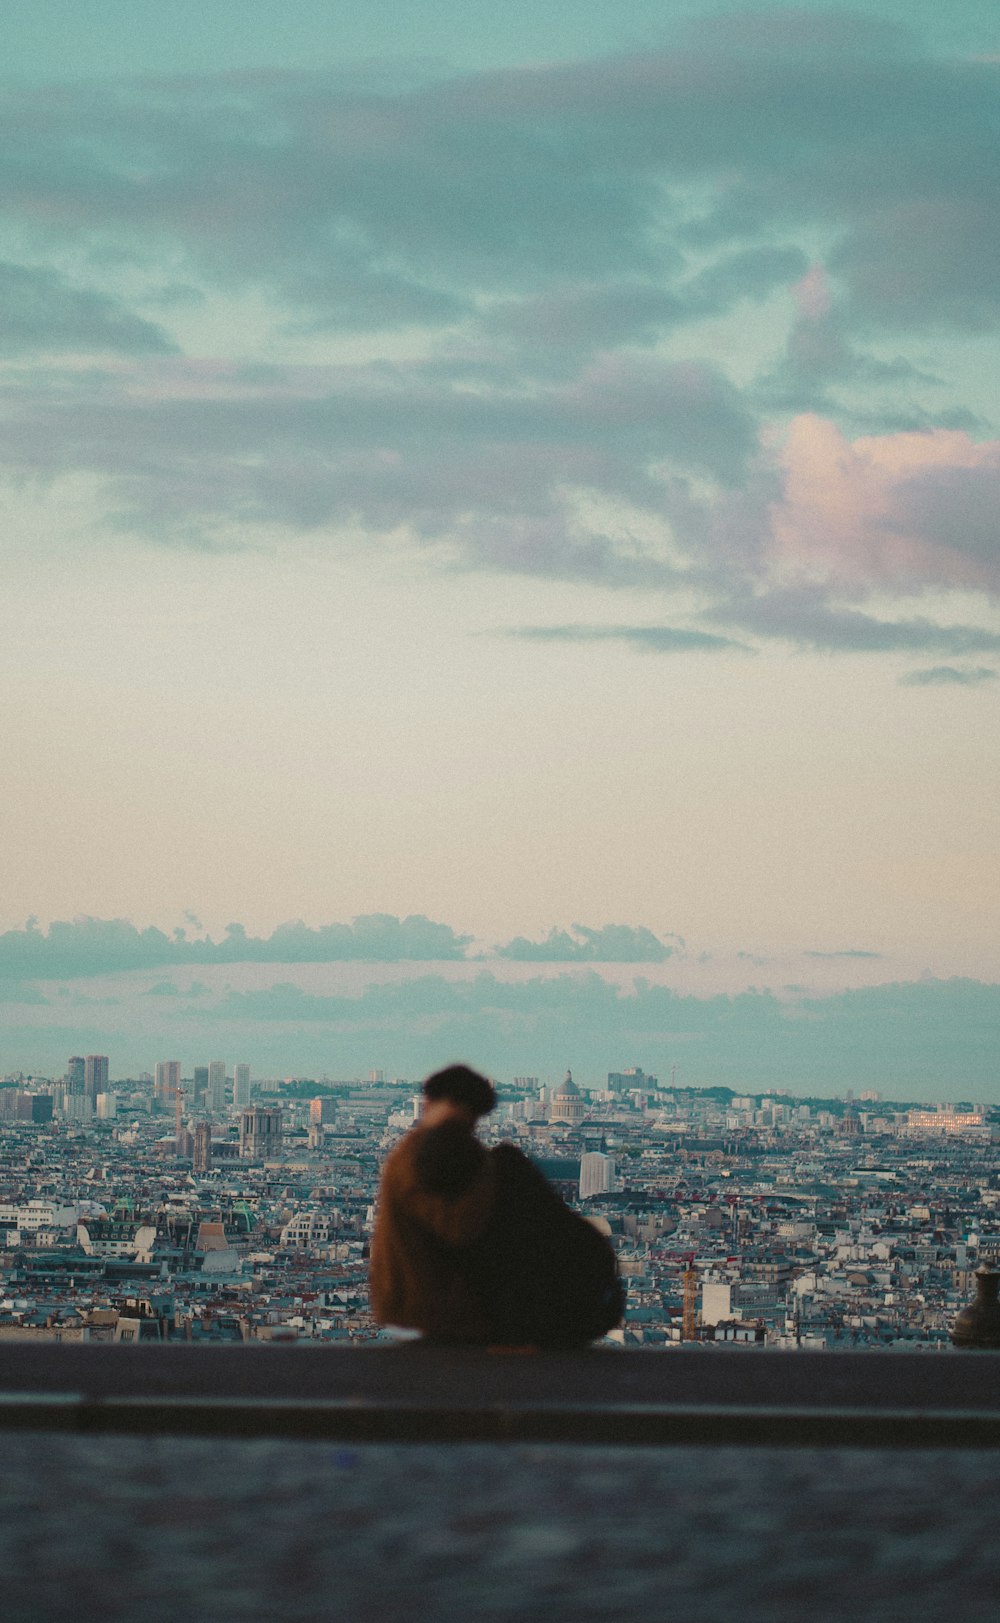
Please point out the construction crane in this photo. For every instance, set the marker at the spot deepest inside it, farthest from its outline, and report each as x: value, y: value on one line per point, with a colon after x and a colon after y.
x: 689, y: 1316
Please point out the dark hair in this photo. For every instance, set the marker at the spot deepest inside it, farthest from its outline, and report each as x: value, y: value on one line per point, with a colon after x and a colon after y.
x: 447, y: 1159
x: 462, y: 1086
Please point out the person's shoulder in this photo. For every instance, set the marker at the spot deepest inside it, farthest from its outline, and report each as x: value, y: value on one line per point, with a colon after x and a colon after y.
x: 399, y: 1161
x: 514, y: 1155
x: 508, y: 1151
x: 515, y: 1169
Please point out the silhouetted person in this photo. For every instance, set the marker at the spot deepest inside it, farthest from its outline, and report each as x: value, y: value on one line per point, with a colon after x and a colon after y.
x: 476, y: 1246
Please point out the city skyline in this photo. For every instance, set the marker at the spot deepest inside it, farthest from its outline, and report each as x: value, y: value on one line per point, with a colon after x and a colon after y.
x: 533, y: 486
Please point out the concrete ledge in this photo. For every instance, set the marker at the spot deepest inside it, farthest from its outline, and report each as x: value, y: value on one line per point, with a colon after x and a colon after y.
x: 426, y: 1394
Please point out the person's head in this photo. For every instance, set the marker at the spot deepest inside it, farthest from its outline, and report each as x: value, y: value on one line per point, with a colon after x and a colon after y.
x: 464, y: 1090
x: 448, y: 1156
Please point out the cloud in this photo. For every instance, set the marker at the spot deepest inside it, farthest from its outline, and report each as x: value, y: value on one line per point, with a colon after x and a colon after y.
x: 908, y: 1039
x: 925, y: 258
x: 569, y: 322
x: 15, y: 991
x: 495, y: 476
x: 821, y: 351
x: 902, y: 511
x: 652, y: 639
x: 172, y: 990
x: 562, y: 245
x: 613, y: 944
x: 913, y: 1040
x: 847, y: 952
x: 949, y: 676
x: 375, y: 201
x: 805, y: 616
x: 89, y: 946
x: 43, y: 312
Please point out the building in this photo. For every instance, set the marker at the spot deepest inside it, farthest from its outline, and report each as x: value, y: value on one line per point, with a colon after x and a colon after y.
x: 597, y: 1174
x: 568, y: 1104
x: 322, y: 1110
x: 202, y: 1154
x: 76, y: 1067
x: 168, y: 1080
x: 30, y: 1216
x: 17, y: 1105
x: 199, y: 1085
x: 260, y: 1132
x: 78, y: 1107
x: 718, y: 1301
x: 95, y: 1076
x: 627, y: 1081
x: 120, y: 1235
x: 216, y: 1099
x: 241, y: 1085
x: 946, y: 1119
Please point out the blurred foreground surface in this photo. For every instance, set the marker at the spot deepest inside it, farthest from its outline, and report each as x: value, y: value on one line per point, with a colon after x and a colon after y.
x: 174, y: 1528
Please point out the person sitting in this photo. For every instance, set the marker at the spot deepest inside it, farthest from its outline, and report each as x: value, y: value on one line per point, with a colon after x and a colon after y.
x: 435, y: 1199
x: 476, y: 1246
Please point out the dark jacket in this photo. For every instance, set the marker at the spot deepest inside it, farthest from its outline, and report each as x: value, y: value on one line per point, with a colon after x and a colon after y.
x: 424, y: 1227
x: 478, y: 1247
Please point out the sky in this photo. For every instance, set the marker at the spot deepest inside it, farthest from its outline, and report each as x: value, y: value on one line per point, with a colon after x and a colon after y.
x: 498, y: 527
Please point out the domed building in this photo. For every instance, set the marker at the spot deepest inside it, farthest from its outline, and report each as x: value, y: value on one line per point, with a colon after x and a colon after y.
x: 568, y: 1104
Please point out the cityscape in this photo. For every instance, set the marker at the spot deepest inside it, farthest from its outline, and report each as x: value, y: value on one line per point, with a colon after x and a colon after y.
x: 219, y: 1207
x: 500, y: 570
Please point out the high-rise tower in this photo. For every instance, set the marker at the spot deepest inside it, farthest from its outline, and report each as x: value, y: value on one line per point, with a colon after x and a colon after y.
x: 241, y: 1085
x: 167, y: 1082
x: 216, y: 1099
x: 95, y: 1076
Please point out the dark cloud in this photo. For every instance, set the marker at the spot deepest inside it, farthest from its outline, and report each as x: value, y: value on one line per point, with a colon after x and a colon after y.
x: 386, y: 202
x: 15, y: 991
x: 806, y: 617
x: 44, y: 313
x: 582, y: 317
x: 921, y: 1036
x: 927, y: 258
x: 949, y: 676
x: 544, y: 227
x: 89, y: 946
x: 955, y: 510
x: 915, y: 1040
x: 652, y: 639
x: 614, y: 944
x: 392, y: 447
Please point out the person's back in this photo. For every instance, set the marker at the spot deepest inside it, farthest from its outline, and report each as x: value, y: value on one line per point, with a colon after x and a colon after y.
x: 544, y: 1275
x: 435, y: 1198
x: 477, y: 1246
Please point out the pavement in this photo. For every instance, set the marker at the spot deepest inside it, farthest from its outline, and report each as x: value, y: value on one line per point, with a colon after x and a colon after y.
x: 166, y: 1528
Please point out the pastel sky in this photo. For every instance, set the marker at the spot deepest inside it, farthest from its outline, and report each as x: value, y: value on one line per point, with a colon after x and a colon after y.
x: 508, y: 467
